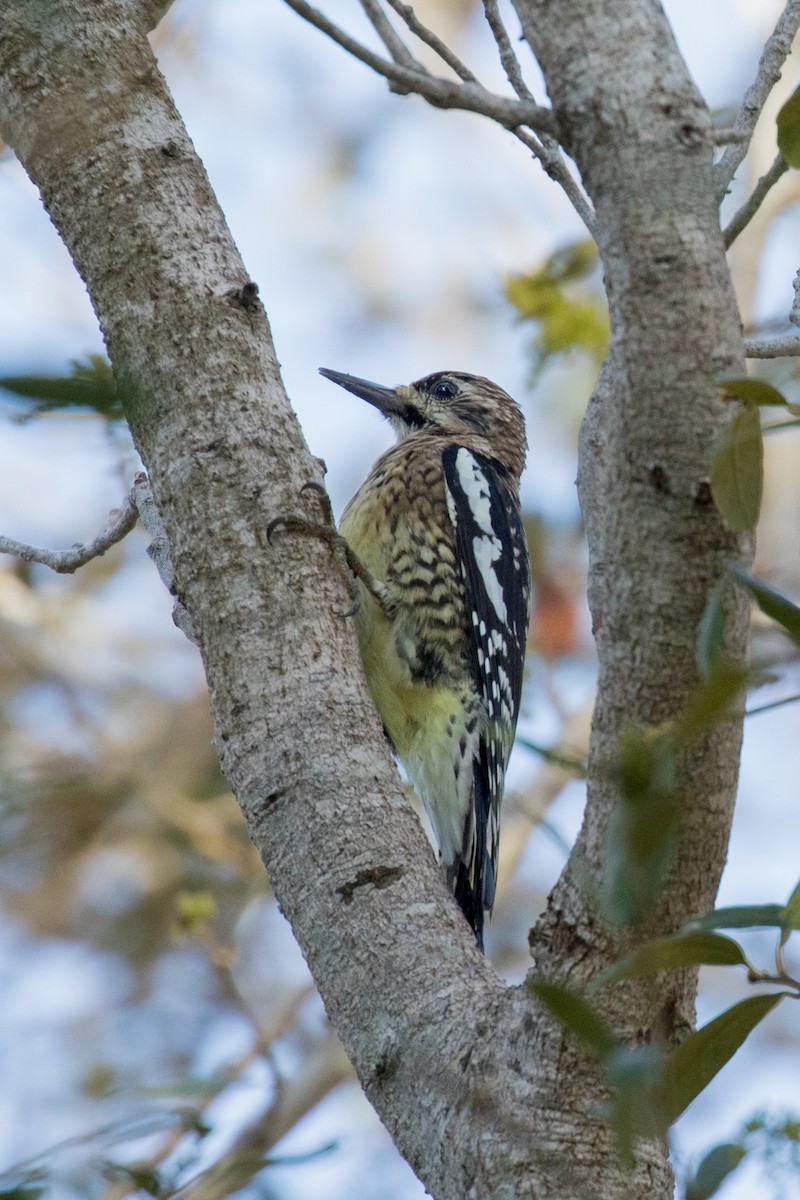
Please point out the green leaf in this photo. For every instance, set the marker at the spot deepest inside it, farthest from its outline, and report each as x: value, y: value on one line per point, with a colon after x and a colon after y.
x: 790, y: 916
x: 634, y: 1074
x: 640, y: 833
x: 752, y: 391
x: 90, y: 385
x: 789, y: 129
x: 681, y: 950
x: 711, y: 630
x: 737, y: 470
x: 576, y: 1015
x: 569, y: 310
x: 693, y: 1064
x: 771, y: 602
x: 708, y: 702
x: 645, y: 766
x: 576, y: 765
x: 742, y: 916
x: 714, y: 1169
x: 23, y: 1191
x: 141, y: 1175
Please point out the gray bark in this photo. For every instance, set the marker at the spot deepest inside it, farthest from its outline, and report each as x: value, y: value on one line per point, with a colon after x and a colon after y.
x: 476, y: 1085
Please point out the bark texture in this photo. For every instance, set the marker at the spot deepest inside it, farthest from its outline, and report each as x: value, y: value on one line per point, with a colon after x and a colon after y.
x: 478, y: 1088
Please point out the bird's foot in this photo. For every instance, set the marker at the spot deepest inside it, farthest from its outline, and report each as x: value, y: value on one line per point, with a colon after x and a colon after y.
x: 354, y: 568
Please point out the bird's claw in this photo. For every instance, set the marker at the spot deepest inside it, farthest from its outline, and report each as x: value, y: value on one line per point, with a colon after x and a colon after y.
x: 328, y: 532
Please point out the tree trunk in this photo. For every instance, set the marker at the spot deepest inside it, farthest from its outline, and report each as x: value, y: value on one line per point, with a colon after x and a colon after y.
x: 475, y: 1083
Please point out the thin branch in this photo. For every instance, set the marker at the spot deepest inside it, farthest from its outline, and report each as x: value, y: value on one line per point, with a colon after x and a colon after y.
x: 794, y: 315
x: 546, y: 149
x: 754, y: 201
x: 120, y: 522
x: 723, y: 135
x: 772, y: 59
x: 389, y: 35
x: 441, y: 93
x: 469, y: 96
x: 762, y: 708
x: 776, y: 425
x: 787, y: 346
x: 406, y: 12
x: 508, y: 58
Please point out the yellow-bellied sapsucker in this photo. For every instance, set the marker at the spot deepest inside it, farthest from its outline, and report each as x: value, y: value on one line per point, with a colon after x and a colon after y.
x: 436, y: 540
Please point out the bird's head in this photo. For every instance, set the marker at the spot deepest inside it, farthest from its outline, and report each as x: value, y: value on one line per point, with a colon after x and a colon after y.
x: 467, y: 409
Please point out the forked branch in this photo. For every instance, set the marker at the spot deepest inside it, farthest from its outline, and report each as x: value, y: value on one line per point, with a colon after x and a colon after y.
x: 787, y: 346
x: 754, y: 201
x: 773, y: 56
x: 120, y: 522
x: 440, y: 92
x: 533, y: 124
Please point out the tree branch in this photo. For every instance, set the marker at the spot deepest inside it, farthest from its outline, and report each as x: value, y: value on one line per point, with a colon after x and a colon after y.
x: 773, y: 56
x: 511, y: 64
x: 441, y: 93
x: 470, y: 96
x: 426, y: 35
x: 754, y: 201
x: 656, y: 544
x: 120, y: 522
x: 546, y: 150
x: 298, y: 736
x: 787, y: 346
x: 389, y: 36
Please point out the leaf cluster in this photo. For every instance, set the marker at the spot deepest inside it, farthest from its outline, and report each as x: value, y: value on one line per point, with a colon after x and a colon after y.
x: 89, y: 385
x: 569, y: 312
x: 652, y: 1085
x: 644, y: 824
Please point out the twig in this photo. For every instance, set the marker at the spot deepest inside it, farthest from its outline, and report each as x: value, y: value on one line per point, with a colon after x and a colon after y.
x: 471, y: 96
x: 787, y: 346
x: 772, y: 59
x: 762, y: 708
x: 777, y: 425
x: 723, y: 135
x: 389, y: 35
x: 546, y: 148
x: 406, y: 12
x: 754, y: 201
x: 120, y: 522
x: 508, y: 58
x: 794, y: 315
x: 441, y: 93
x: 547, y: 151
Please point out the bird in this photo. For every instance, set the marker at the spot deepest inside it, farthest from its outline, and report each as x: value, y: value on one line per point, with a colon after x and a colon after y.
x: 435, y: 539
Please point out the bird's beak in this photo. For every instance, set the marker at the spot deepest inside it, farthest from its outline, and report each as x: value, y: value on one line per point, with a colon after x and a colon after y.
x: 385, y: 399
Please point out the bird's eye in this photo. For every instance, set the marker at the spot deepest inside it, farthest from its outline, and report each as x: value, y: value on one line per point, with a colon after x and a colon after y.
x: 445, y: 387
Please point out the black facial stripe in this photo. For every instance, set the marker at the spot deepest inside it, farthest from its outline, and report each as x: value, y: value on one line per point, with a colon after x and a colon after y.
x: 413, y: 417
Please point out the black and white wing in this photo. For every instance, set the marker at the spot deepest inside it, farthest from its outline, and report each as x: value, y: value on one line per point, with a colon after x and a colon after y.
x: 493, y: 557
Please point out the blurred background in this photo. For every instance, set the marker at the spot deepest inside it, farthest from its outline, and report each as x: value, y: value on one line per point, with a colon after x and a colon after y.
x: 159, y: 1031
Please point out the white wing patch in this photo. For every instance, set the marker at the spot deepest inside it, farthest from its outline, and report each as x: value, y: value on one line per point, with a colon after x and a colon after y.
x: 493, y: 558
x: 486, y: 547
